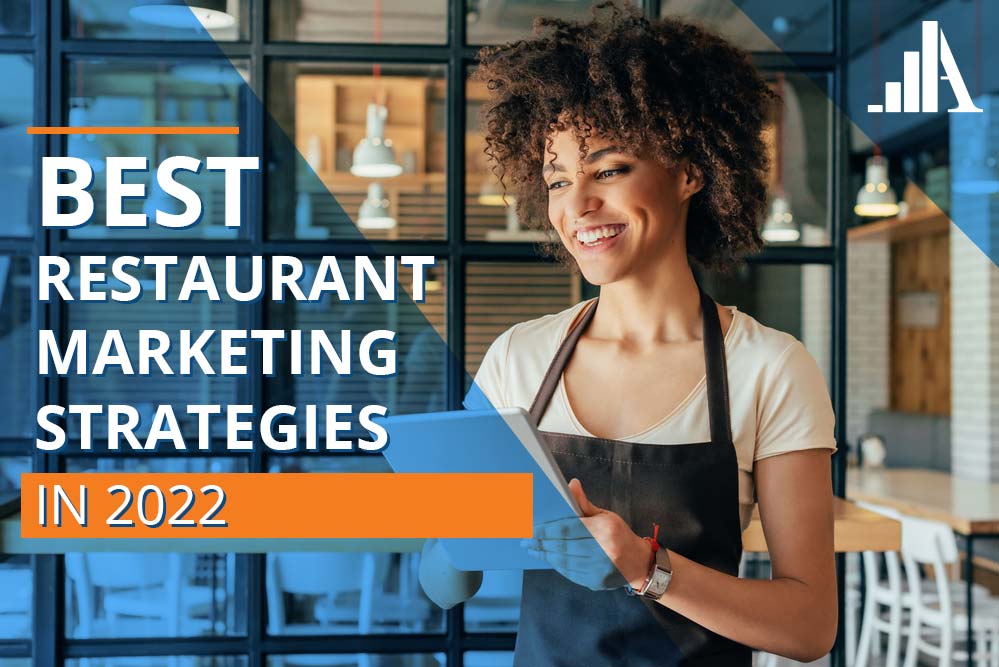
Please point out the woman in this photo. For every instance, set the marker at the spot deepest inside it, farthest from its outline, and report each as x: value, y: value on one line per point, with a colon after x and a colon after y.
x: 639, y: 144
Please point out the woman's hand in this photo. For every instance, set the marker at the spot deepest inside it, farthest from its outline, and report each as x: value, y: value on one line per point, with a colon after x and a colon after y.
x: 442, y: 582
x: 598, y: 550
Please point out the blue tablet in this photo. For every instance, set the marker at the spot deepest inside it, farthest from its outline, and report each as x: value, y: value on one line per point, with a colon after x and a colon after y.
x: 502, y: 440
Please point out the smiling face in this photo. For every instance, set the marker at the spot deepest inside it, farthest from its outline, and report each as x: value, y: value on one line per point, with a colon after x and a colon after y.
x: 619, y: 215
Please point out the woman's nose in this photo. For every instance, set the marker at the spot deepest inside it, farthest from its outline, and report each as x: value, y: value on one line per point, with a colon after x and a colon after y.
x: 584, y: 200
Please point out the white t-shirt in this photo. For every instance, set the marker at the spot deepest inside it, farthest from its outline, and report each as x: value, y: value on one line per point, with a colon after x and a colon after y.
x: 778, y: 399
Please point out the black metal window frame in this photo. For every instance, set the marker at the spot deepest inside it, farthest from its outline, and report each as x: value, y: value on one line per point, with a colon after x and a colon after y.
x: 52, y: 50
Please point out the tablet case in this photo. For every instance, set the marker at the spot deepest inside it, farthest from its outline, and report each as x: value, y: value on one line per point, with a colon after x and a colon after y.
x: 482, y: 441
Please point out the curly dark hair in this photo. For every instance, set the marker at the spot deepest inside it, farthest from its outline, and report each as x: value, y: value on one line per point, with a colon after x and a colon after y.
x: 662, y: 88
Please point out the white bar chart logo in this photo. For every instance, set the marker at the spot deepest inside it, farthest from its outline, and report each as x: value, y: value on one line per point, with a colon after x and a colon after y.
x: 917, y: 92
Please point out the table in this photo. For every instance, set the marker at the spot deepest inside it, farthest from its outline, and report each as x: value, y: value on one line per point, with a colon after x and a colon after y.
x: 854, y: 529
x: 969, y: 507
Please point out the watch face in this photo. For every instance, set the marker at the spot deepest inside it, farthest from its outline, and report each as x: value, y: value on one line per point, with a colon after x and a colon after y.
x: 659, y: 582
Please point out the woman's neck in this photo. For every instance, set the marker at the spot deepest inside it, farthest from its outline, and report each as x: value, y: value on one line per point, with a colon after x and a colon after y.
x: 661, y: 306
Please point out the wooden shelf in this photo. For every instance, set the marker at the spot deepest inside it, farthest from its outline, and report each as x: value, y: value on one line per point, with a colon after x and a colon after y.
x: 923, y: 222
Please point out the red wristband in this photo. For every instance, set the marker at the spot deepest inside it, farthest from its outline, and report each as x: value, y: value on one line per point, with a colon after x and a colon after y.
x: 654, y: 543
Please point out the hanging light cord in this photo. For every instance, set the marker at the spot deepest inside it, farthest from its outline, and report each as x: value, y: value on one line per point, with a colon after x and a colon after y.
x: 876, y: 65
x: 779, y: 136
x: 376, y: 69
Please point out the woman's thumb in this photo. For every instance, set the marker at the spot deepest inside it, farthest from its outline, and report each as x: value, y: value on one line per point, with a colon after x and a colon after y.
x: 588, y: 508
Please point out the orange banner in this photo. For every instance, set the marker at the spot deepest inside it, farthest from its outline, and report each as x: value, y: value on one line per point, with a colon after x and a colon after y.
x: 276, y: 505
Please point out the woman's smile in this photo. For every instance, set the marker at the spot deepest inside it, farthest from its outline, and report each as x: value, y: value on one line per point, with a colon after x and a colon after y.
x: 594, y: 239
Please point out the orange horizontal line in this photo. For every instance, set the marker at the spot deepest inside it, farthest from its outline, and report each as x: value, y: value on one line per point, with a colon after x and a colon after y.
x: 142, y: 129
x: 284, y: 505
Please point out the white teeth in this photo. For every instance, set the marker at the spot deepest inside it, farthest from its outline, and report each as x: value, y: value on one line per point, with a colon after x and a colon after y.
x: 591, y: 236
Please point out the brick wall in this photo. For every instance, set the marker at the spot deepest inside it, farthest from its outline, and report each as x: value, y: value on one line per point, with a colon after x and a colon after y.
x: 868, y: 276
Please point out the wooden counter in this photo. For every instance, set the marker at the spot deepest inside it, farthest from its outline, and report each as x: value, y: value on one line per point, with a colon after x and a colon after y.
x: 855, y: 529
x: 968, y: 506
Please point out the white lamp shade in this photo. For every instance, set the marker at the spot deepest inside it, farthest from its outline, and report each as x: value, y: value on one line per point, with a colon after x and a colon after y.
x: 374, y: 156
x: 780, y: 226
x: 374, y: 212
x: 876, y: 198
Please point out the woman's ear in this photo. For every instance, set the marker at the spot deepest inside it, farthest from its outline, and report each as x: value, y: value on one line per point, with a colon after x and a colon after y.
x: 691, y: 180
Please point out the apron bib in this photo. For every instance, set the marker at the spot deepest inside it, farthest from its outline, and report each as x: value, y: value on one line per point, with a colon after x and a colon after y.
x: 691, y: 490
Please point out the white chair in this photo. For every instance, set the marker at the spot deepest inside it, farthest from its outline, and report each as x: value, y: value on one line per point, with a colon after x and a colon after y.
x: 350, y: 597
x: 882, y: 601
x: 936, y: 625
x: 140, y: 594
x: 330, y: 577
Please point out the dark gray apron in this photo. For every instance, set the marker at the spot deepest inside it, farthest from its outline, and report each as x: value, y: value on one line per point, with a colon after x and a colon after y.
x: 691, y: 490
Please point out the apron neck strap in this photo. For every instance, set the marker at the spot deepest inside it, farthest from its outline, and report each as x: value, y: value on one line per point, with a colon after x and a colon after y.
x: 714, y: 364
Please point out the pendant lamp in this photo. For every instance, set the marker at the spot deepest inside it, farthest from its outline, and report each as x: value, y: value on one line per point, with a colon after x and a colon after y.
x: 200, y: 14
x: 876, y: 199
x: 374, y: 156
x: 374, y: 212
x: 780, y: 226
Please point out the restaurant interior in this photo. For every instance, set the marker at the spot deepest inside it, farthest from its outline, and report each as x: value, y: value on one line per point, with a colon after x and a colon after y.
x: 880, y: 257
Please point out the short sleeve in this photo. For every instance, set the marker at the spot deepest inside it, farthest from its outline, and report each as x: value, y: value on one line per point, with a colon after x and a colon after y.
x: 488, y: 390
x: 794, y: 410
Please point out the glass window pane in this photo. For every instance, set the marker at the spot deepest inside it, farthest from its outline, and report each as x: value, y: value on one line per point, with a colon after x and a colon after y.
x: 15, y: 571
x: 488, y: 659
x: 496, y: 22
x: 794, y: 299
x: 174, y: 93
x: 200, y: 20
x: 356, y: 660
x: 762, y: 25
x: 18, y: 372
x: 496, y: 607
x: 421, y: 353
x: 800, y: 168
x: 16, y: 145
x: 146, y: 392
x: 162, y: 661
x: 345, y: 593
x: 15, y: 662
x: 489, y: 216
x: 323, y: 112
x: 501, y: 294
x: 396, y: 22
x: 15, y: 18
x: 327, y: 593
x: 111, y: 595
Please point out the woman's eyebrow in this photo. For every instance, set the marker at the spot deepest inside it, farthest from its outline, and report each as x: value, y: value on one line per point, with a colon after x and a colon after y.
x: 589, y: 159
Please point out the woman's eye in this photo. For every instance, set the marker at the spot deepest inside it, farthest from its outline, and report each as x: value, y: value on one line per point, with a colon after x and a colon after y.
x: 556, y: 185
x: 607, y: 173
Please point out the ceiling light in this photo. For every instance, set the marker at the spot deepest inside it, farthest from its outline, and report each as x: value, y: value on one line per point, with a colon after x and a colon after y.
x: 374, y: 212
x: 374, y: 156
x: 780, y: 226
x: 876, y: 199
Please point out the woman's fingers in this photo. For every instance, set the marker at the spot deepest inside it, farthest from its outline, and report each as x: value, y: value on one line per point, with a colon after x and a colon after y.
x: 588, y: 547
x: 562, y: 529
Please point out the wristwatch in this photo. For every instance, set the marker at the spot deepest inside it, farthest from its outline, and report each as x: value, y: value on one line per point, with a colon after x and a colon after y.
x: 659, y: 576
